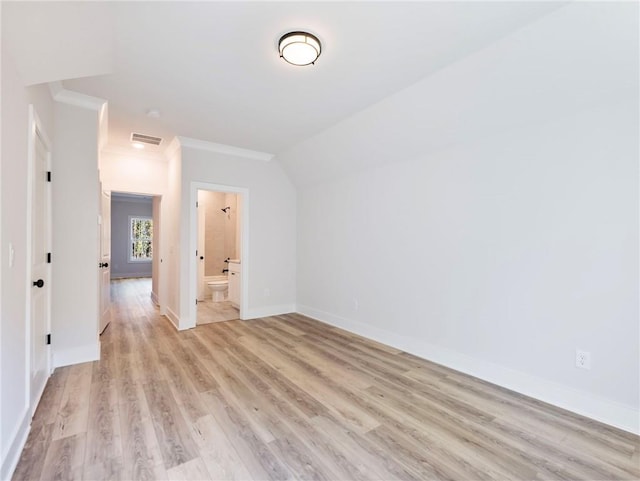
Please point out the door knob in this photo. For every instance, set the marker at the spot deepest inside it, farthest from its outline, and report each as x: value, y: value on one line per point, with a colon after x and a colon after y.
x: 106, y: 264
x: 39, y: 283
x: 201, y: 258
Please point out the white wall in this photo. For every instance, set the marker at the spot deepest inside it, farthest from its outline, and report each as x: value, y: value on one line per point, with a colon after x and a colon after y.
x: 14, y: 346
x: 121, y: 171
x: 487, y: 217
x: 171, y: 209
x: 272, y: 239
x: 76, y: 207
x: 121, y: 211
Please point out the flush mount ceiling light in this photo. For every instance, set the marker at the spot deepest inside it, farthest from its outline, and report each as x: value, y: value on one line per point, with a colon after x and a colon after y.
x: 299, y: 48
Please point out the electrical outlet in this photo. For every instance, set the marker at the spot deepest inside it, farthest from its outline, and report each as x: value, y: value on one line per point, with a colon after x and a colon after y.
x: 583, y: 359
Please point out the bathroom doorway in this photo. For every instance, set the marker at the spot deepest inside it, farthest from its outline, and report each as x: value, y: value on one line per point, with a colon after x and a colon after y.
x: 218, y: 256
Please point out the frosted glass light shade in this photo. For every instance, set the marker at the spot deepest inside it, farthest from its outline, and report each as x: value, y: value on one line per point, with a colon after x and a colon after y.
x: 299, y: 48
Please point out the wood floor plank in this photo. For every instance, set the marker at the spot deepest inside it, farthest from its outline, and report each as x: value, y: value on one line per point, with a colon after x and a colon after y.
x: 103, y: 430
x: 32, y: 461
x: 217, y: 451
x: 141, y: 451
x: 315, y: 384
x: 288, y: 397
x: 65, y: 459
x: 105, y: 469
x: 193, y: 470
x: 174, y: 438
x: 73, y: 414
x: 259, y: 460
x: 49, y: 404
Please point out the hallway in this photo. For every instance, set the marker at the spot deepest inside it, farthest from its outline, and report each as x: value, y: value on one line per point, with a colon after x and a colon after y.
x: 287, y: 397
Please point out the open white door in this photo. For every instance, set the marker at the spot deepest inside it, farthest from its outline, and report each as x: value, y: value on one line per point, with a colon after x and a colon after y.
x: 105, y: 260
x: 40, y: 294
x: 202, y: 291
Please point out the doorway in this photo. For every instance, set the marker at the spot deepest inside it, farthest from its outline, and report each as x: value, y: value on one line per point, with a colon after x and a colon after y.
x: 219, y: 269
x: 218, y: 256
x: 135, y: 239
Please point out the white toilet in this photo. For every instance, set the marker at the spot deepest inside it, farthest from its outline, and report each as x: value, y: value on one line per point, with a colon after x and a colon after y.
x: 218, y: 286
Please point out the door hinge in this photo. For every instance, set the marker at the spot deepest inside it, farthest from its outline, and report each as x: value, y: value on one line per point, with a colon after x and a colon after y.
x: 196, y: 302
x: 196, y: 204
x: 48, y: 257
x: 48, y: 339
x: 48, y: 176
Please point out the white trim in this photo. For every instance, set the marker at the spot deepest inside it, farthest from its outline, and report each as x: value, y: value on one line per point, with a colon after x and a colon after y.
x: 580, y: 402
x: 154, y: 298
x: 60, y: 94
x: 267, y: 311
x: 77, y: 355
x: 192, y: 285
x: 173, y: 317
x: 135, y: 275
x: 17, y: 440
x: 131, y: 198
x: 139, y: 261
x: 224, y: 149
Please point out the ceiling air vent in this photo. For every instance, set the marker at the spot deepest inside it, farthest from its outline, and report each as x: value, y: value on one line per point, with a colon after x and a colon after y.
x: 145, y: 139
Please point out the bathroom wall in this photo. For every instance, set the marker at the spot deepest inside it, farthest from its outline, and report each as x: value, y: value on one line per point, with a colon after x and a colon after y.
x: 220, y: 230
x: 121, y: 209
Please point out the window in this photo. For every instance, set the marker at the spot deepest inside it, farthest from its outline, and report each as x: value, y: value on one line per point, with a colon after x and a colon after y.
x: 140, y: 239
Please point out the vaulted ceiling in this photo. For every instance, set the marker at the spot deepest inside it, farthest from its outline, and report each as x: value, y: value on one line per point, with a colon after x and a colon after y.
x: 213, y: 71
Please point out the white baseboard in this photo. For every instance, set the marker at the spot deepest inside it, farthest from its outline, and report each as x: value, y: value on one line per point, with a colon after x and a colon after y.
x: 269, y: 311
x: 76, y: 355
x: 580, y: 402
x: 154, y: 298
x: 134, y: 275
x: 17, y: 440
x: 173, y: 317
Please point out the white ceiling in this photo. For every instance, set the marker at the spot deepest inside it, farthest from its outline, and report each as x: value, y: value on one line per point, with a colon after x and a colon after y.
x: 213, y: 70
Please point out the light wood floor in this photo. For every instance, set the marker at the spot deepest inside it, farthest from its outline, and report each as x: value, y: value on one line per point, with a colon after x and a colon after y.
x: 287, y: 397
x: 209, y: 311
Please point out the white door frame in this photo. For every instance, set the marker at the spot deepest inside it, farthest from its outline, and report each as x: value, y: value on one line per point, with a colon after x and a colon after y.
x: 35, y: 130
x: 193, y: 246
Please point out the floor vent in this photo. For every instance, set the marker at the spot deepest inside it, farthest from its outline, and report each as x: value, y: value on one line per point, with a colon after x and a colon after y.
x: 145, y: 139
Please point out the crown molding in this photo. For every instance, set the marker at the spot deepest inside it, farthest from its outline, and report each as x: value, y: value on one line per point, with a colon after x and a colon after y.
x: 224, y: 149
x: 60, y: 94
